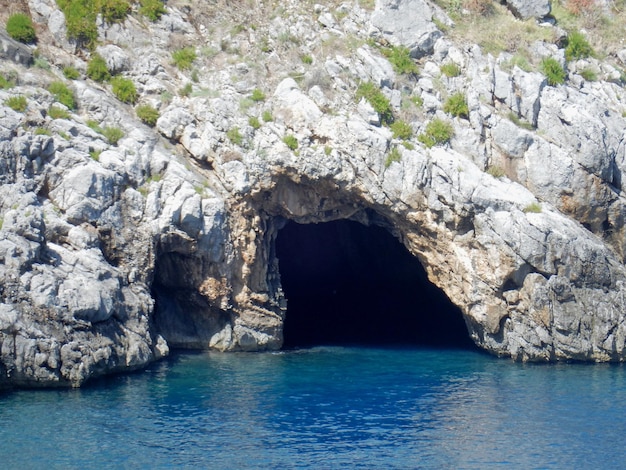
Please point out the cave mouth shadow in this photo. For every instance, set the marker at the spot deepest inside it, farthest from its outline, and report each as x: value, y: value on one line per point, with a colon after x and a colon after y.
x: 348, y: 284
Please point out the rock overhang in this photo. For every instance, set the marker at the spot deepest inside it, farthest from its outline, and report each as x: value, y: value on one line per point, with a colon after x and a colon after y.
x: 498, y: 263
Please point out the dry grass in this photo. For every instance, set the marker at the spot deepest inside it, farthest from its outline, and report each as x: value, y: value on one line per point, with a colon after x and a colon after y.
x: 496, y: 30
x: 500, y: 31
x: 604, y: 30
x: 9, y: 7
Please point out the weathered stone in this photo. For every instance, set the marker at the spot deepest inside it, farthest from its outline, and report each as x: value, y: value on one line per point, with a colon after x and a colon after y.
x: 12, y: 50
x: 116, y: 58
x: 112, y: 254
x: 406, y: 23
x: 525, y: 9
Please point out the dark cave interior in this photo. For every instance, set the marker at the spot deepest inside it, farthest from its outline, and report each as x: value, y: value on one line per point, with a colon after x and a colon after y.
x: 350, y: 284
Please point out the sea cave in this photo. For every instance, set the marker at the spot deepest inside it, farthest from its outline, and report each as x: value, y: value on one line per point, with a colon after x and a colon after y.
x: 351, y: 284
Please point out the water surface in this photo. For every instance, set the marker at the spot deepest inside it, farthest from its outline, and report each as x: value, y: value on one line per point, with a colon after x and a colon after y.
x: 327, y: 407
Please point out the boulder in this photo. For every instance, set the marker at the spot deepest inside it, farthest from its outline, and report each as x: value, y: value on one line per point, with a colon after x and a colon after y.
x: 406, y: 23
x: 116, y: 58
x: 14, y: 51
x: 526, y: 9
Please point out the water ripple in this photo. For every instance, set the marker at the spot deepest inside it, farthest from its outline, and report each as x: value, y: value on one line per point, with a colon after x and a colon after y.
x: 326, y: 408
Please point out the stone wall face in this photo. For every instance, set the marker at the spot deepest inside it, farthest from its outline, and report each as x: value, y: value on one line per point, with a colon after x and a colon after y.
x: 112, y: 253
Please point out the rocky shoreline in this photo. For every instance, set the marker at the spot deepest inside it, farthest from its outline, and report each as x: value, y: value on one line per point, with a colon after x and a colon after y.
x: 518, y: 218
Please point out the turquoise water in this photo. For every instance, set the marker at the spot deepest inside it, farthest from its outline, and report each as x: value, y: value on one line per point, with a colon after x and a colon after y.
x: 326, y: 408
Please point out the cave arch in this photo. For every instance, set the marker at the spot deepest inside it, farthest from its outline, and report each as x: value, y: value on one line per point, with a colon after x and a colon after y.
x: 348, y: 283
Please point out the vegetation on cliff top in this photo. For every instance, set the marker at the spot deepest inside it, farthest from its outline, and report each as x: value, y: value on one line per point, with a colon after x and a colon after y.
x: 490, y: 25
x: 81, y: 16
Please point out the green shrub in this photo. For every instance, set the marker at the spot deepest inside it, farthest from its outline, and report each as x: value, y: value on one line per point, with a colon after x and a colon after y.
x: 306, y: 59
x: 377, y: 99
x: 17, y: 103
x: 457, y: 106
x: 401, y: 130
x: 417, y: 100
x: 235, y: 136
x: 62, y: 94
x: 183, y: 58
x: 94, y: 126
x: 291, y: 141
x: 589, y: 74
x: 267, y: 116
x: 80, y: 20
x: 496, y: 171
x: 186, y: 90
x: 257, y: 95
x: 70, y: 73
x: 114, y: 11
x: 577, y: 47
x: 553, y: 71
x: 437, y: 132
x: 20, y: 27
x: 393, y: 156
x: 95, y: 154
x: 254, y: 122
x: 166, y: 97
x: 450, y: 70
x: 515, y: 119
x: 124, y: 89
x: 533, y: 207
x: 148, y: 114
x: 401, y: 60
x: 97, y: 69
x: 42, y: 131
x: 112, y: 134
x: 57, y: 113
x: 520, y: 60
x: 6, y: 83
x: 152, y: 9
x: 41, y: 63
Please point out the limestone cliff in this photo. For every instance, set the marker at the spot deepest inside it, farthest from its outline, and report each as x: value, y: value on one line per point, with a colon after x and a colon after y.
x: 518, y: 216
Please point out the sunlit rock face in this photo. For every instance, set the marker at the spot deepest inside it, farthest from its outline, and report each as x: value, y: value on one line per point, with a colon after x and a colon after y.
x: 518, y: 277
x: 112, y: 251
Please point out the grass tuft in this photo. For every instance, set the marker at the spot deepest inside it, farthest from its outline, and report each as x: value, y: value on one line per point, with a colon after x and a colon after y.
x: 17, y: 103
x: 62, y: 94
x: 450, y: 70
x: 183, y: 58
x: 377, y: 99
x: 20, y: 27
x: 457, y: 106
x: 148, y: 114
x: 291, y: 142
x: 437, y: 132
x: 394, y: 155
x: 553, y: 71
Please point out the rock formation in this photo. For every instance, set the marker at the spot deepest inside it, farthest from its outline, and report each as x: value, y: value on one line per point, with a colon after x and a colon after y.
x: 114, y: 251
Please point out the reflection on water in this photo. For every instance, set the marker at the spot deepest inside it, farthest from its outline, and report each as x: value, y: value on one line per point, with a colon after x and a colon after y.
x: 326, y: 407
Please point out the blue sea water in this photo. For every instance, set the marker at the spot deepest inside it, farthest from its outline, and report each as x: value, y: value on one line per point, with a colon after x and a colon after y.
x: 326, y: 407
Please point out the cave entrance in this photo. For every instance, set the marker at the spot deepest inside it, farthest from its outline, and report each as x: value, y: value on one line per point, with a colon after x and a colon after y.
x: 350, y: 284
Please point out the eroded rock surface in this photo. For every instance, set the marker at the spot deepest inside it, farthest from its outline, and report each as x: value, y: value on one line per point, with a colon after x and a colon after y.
x: 111, y: 253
